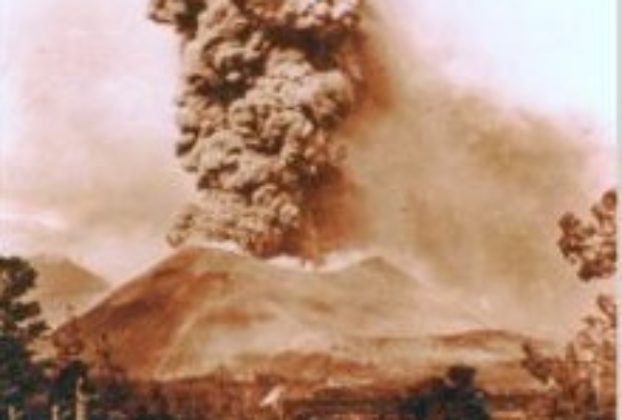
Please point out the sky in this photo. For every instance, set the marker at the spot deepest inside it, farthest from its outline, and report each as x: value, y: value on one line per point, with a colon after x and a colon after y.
x: 86, y: 107
x: 555, y: 56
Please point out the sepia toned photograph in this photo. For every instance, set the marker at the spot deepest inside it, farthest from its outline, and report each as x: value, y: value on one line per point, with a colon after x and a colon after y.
x: 308, y: 210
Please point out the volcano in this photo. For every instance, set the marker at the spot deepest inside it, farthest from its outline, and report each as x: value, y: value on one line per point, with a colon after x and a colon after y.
x: 202, y: 309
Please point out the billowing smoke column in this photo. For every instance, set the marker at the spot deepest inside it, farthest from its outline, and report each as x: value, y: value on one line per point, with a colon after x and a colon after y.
x: 264, y: 85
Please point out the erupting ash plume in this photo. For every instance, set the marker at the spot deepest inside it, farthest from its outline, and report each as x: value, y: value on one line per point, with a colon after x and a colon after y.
x: 264, y: 86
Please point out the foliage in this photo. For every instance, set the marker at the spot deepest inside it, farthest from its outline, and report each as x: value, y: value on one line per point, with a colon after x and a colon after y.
x: 114, y: 390
x: 592, y: 245
x: 69, y: 383
x: 70, y: 371
x: 21, y: 326
x: 582, y: 380
x: 451, y: 398
x: 98, y: 380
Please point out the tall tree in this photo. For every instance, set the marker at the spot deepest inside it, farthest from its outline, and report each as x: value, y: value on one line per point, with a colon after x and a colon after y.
x: 113, y: 386
x: 21, y: 326
x: 582, y: 380
x: 70, y: 370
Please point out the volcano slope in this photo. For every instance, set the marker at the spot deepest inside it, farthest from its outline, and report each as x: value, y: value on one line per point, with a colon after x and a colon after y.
x: 203, y: 309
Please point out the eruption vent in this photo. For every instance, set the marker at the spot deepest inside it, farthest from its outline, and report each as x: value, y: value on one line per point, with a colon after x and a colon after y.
x: 264, y: 85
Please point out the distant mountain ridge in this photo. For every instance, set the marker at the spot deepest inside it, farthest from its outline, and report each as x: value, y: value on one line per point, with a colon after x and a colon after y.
x: 64, y: 287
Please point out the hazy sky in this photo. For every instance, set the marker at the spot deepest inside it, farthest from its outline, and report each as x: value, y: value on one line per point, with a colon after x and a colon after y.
x: 86, y: 90
x: 557, y: 56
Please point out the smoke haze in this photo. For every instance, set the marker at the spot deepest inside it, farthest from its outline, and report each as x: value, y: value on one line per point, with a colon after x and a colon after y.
x: 468, y: 187
x: 460, y: 184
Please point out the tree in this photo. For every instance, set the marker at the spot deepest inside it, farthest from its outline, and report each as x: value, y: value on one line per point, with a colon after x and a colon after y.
x: 70, y: 377
x: 453, y: 397
x: 582, y: 380
x: 592, y: 244
x: 21, y: 326
x: 114, y: 389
